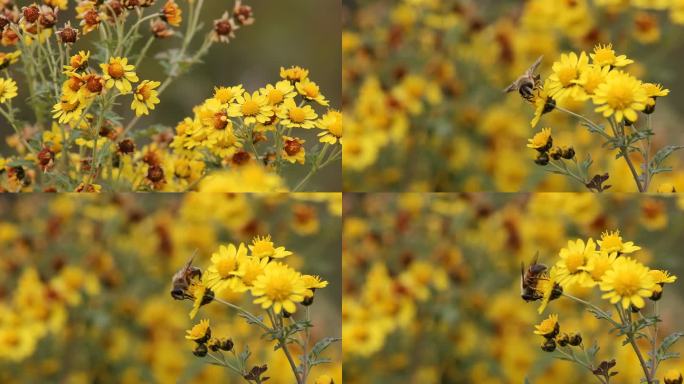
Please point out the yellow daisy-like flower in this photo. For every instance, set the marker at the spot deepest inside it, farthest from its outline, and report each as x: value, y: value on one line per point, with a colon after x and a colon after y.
x: 563, y: 82
x: 197, y: 289
x: 200, y: 332
x: 312, y: 282
x: 543, y: 103
x: 621, y: 96
x: 294, y: 73
x: 293, y: 116
x: 171, y: 13
x: 573, y: 263
x: 224, y: 272
x: 251, y: 268
x: 653, y: 91
x: 548, y: 328
x: 662, y: 277
x: 118, y: 73
x: 145, y: 97
x: 252, y: 108
x: 605, y: 55
x: 293, y: 150
x: 67, y: 111
x: 226, y: 95
x: 672, y: 376
x: 331, y: 122
x: 546, y: 287
x: 8, y: 89
x: 593, y: 77
x: 311, y: 91
x: 280, y: 287
x: 77, y: 62
x: 612, y: 242
x: 627, y: 283
x: 541, y: 139
x: 277, y: 94
x: 263, y: 247
x: 8, y: 58
x: 599, y: 263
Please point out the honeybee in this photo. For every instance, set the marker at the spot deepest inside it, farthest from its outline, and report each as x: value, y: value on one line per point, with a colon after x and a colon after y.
x: 182, y: 279
x: 529, y: 279
x: 527, y: 83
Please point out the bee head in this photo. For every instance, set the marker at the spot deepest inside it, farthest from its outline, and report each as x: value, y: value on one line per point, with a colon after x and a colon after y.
x: 178, y: 294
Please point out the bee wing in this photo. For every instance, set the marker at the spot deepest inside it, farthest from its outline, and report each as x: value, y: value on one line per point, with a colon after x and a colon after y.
x: 535, y: 259
x: 190, y: 260
x: 533, y: 68
x: 512, y: 87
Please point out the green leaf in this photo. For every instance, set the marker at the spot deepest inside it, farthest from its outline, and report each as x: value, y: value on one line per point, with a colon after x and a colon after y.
x: 656, y: 165
x: 669, y: 341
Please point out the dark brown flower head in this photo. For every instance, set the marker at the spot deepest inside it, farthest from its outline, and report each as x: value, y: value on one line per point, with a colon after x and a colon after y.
x: 30, y: 13
x: 114, y: 8
x: 45, y: 158
x: 160, y: 29
x: 292, y: 147
x: 224, y: 29
x: 68, y: 35
x: 48, y: 16
x: 155, y: 174
x: 94, y: 83
x: 243, y: 14
x: 220, y: 120
x: 241, y: 157
x: 126, y: 146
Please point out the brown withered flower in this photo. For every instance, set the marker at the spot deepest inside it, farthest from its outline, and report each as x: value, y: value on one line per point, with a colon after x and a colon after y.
x: 160, y: 29
x: 224, y: 29
x: 243, y: 14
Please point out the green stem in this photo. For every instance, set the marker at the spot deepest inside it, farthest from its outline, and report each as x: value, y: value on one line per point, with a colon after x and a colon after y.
x: 246, y: 313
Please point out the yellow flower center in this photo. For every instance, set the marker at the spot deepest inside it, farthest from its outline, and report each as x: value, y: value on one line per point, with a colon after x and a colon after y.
x: 275, y: 96
x: 574, y: 261
x: 250, y: 108
x: 600, y: 267
x: 297, y: 115
x: 311, y: 90
x: 604, y: 56
x: 619, y: 96
x: 278, y: 288
x: 566, y: 75
x: 263, y: 248
x: 336, y: 128
x: 626, y: 283
x: 116, y: 70
x: 225, y: 266
x: 611, y: 243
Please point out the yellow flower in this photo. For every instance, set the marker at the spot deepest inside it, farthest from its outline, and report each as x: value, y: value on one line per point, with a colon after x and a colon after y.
x: 573, y: 263
x: 599, y: 264
x: 592, y: 78
x: 200, y: 332
x: 145, y: 97
x: 67, y: 111
x: 653, y: 91
x: 226, y: 95
x: 263, y: 247
x: 120, y: 74
x: 541, y: 140
x: 628, y: 282
x: 293, y: 150
x: 251, y: 268
x: 543, y: 103
x: 8, y: 89
x: 563, y: 82
x: 77, y: 62
x: 612, y: 242
x: 197, y: 290
x: 672, y: 376
x: 331, y: 122
x: 294, y: 73
x: 224, y: 270
x: 604, y: 55
x: 546, y: 287
x: 277, y: 94
x: 312, y: 283
x: 247, y: 178
x: 311, y: 91
x: 252, y: 108
x: 621, y: 96
x: 548, y: 328
x: 293, y: 116
x: 171, y: 13
x: 662, y: 277
x: 8, y: 58
x: 280, y: 287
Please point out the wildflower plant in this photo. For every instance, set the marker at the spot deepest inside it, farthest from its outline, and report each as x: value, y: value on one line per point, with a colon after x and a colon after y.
x: 625, y: 102
x: 86, y: 102
x: 629, y: 287
x: 283, y: 295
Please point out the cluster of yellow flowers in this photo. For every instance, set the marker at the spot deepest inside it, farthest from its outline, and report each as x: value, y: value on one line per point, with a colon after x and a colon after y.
x: 39, y: 308
x: 87, y: 144
x: 422, y: 80
x: 276, y: 287
x: 624, y: 282
x: 236, y: 128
